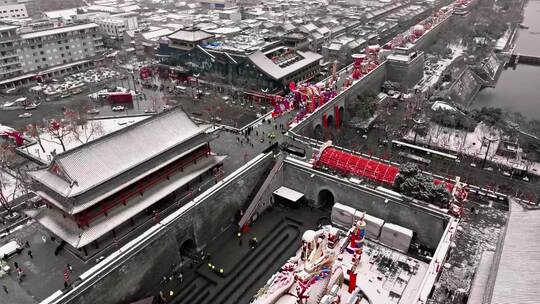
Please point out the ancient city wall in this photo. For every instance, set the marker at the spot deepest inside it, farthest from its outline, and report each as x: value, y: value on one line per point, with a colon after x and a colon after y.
x: 150, y: 255
x: 428, y: 225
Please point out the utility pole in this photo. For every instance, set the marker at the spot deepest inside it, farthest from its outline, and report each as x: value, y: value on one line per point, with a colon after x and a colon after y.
x: 490, y: 140
x: 417, y: 123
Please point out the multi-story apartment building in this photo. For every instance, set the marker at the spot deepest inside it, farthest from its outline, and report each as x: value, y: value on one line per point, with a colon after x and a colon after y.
x: 114, y: 26
x: 13, y: 11
x: 24, y: 55
x: 10, y: 65
x: 42, y: 49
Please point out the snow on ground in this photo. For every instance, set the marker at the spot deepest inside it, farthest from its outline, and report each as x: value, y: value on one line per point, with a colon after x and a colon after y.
x: 470, y: 143
x: 100, y: 127
x: 441, y: 65
x: 11, y: 189
x: 477, y: 233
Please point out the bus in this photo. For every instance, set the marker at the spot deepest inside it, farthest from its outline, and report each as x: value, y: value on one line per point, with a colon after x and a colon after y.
x: 423, y: 151
x: 415, y: 158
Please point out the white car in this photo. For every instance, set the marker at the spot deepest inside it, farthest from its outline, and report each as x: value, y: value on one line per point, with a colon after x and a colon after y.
x: 506, y: 173
x: 118, y: 108
x: 25, y: 115
x: 473, y: 165
x: 525, y: 179
x: 488, y: 169
x: 93, y: 111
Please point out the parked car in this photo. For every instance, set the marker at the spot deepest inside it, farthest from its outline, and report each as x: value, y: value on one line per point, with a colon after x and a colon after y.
x: 10, y: 249
x: 25, y: 115
x: 118, y: 108
x: 93, y: 111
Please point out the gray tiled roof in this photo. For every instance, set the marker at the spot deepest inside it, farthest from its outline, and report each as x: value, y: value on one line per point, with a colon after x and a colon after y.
x: 189, y: 35
x: 96, y: 162
x: 273, y: 70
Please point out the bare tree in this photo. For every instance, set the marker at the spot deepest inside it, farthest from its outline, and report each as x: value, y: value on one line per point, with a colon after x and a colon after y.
x: 88, y: 131
x: 59, y: 130
x: 3, y: 199
x: 34, y: 131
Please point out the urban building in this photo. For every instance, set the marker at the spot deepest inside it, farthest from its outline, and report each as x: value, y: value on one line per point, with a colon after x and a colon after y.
x: 114, y: 26
x: 48, y: 48
x: 10, y: 66
x: 13, y: 11
x: 243, y: 60
x: 89, y: 197
x: 61, y: 17
x: 51, y: 52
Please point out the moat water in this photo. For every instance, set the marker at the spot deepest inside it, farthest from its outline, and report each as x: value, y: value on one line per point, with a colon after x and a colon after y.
x: 518, y: 89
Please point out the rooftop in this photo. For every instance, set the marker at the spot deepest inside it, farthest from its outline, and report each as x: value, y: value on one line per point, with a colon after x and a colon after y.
x: 59, y: 30
x: 190, y: 35
x: 96, y: 162
x: 275, y: 71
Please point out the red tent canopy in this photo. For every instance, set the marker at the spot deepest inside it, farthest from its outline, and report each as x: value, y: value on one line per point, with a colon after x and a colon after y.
x: 357, y: 165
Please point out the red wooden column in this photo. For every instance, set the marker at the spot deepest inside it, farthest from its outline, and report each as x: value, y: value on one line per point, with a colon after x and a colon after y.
x: 338, y: 118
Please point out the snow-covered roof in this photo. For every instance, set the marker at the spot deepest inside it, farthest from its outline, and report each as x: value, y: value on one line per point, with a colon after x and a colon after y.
x: 189, y: 35
x: 156, y: 34
x: 67, y: 13
x: 273, y: 70
x: 96, y: 162
x: 59, y: 30
x: 289, y: 194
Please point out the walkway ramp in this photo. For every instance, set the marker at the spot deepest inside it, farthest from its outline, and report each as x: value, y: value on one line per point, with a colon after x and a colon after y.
x: 257, y: 201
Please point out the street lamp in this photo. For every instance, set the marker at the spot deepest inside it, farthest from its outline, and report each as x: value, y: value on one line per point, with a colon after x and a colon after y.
x: 197, y: 82
x: 265, y: 91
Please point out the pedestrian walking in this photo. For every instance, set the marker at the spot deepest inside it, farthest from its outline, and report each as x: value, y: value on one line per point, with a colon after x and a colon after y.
x: 5, y: 289
x: 181, y: 277
x: 30, y: 254
x: 253, y: 243
x: 162, y: 297
x: 27, y: 244
x: 16, y: 265
x: 20, y: 274
x: 66, y: 278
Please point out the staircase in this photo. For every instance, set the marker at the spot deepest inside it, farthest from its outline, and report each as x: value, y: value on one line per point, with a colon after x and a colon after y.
x: 256, y: 202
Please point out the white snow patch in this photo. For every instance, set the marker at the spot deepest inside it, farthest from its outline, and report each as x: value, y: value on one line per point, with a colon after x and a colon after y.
x: 472, y: 143
x: 440, y: 66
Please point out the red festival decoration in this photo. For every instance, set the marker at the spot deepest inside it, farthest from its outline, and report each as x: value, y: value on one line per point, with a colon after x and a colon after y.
x: 292, y: 86
x: 352, y: 280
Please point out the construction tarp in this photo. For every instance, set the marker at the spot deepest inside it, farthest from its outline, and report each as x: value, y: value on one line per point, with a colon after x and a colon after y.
x: 360, y: 166
x: 344, y: 216
x: 396, y: 237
